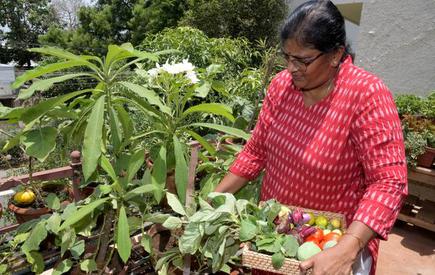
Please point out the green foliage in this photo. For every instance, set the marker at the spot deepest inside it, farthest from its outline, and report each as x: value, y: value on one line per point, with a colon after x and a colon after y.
x: 26, y: 20
x: 214, y: 232
x: 254, y: 20
x: 202, y: 51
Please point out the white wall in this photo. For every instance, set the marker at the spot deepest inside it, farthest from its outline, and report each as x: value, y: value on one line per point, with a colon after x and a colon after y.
x: 397, y: 42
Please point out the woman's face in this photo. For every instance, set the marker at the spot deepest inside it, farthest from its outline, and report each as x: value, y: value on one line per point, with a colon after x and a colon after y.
x: 310, y: 68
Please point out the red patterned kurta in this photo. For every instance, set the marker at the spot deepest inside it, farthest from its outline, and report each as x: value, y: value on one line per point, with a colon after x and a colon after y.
x: 344, y: 154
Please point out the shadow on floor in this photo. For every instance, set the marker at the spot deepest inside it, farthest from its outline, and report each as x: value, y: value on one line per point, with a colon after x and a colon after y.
x: 415, y: 238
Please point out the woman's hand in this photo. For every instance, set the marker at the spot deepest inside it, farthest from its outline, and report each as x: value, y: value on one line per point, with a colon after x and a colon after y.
x: 336, y: 260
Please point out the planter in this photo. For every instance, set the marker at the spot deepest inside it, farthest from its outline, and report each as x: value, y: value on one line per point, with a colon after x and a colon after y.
x: 427, y: 159
x: 24, y: 214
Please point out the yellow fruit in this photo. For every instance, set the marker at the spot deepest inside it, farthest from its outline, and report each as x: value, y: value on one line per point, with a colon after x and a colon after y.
x: 336, y: 223
x: 321, y: 221
x: 312, y: 219
x: 25, y: 197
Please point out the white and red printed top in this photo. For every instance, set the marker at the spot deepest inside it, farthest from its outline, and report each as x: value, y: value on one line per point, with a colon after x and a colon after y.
x: 344, y: 154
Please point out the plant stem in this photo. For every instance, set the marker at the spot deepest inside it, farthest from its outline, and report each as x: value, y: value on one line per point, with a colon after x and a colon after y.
x: 105, y: 237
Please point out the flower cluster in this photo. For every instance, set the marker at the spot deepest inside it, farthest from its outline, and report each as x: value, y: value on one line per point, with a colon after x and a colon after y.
x: 185, y: 68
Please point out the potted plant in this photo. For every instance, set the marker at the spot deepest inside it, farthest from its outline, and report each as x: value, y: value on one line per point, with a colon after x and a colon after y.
x: 33, y: 199
x: 418, y: 121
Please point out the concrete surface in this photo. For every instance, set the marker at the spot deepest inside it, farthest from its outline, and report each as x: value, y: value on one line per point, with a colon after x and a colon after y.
x: 409, y: 251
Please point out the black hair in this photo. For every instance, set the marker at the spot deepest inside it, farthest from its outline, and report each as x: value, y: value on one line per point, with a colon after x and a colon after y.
x: 317, y: 24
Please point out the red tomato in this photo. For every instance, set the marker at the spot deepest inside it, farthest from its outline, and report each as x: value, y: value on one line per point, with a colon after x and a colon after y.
x: 318, y: 234
x: 313, y: 239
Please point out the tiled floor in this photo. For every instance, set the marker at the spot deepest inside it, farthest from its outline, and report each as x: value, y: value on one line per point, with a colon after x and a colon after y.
x: 409, y: 250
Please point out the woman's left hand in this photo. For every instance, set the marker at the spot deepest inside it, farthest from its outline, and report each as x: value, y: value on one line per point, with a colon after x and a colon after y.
x: 336, y: 260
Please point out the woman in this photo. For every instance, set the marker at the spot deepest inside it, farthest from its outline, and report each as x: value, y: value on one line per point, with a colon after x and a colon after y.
x: 329, y: 138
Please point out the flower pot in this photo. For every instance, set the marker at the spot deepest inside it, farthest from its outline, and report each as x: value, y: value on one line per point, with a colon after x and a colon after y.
x: 24, y: 214
x: 427, y: 159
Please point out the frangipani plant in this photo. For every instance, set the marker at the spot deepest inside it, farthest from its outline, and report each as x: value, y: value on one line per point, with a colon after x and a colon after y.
x: 173, y: 89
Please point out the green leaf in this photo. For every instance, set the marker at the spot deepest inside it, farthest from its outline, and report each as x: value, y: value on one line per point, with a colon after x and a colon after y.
x: 156, y: 217
x: 226, y: 129
x: 52, y: 201
x: 146, y: 243
x: 248, y: 230
x: 190, y: 241
x: 93, y: 137
x: 45, y: 84
x: 53, y: 223
x: 181, y: 170
x: 126, y: 122
x: 67, y: 241
x: 159, y: 173
x: 108, y: 168
x: 123, y: 240
x: 33, y: 113
x: 148, y: 94
x: 212, y: 108
x: 135, y: 163
x: 203, y: 142
x: 172, y: 223
x: 19, y: 238
x: 36, y: 261
x: 69, y: 210
x: 3, y: 268
x: 37, y: 235
x: 62, y: 267
x: 278, y: 260
x: 77, y: 249
x: 290, y: 245
x: 139, y: 191
x: 40, y: 142
x: 115, y: 130
x: 175, y: 204
x: 41, y: 70
x: 82, y: 212
x: 203, y: 90
x: 88, y: 265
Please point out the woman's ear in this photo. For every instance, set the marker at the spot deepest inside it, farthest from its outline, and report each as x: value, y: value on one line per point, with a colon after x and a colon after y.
x: 337, y: 56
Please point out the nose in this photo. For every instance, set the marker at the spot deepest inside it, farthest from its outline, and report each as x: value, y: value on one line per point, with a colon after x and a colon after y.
x: 291, y: 67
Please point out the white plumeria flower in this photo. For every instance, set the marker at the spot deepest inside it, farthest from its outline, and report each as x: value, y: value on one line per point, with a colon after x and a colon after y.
x: 191, y: 75
x: 176, y: 68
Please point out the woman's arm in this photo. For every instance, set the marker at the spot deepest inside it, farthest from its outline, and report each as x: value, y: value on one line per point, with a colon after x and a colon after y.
x: 231, y: 183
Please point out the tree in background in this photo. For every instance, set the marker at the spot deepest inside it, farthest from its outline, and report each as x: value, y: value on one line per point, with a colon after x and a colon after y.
x: 115, y: 22
x: 67, y: 12
x: 25, y: 21
x: 253, y: 19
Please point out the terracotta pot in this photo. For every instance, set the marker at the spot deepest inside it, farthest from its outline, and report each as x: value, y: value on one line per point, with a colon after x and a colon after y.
x: 427, y: 159
x: 24, y: 214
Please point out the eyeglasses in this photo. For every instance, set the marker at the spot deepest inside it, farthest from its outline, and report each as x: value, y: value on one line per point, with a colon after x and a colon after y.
x: 299, y: 63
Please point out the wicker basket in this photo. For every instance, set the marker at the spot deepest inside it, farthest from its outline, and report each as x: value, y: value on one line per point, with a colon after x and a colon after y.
x: 263, y: 262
